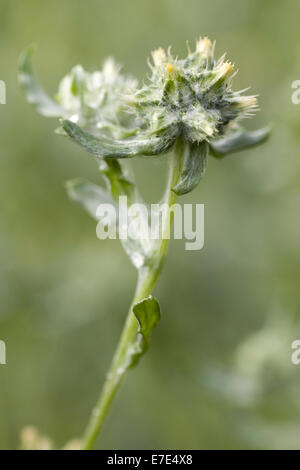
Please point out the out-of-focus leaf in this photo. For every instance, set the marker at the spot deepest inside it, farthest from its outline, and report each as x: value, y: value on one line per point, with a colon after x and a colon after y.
x: 136, y: 247
x: 147, y: 312
x: 35, y: 93
x: 105, y: 147
x: 239, y: 140
x: 89, y: 195
x: 193, y: 167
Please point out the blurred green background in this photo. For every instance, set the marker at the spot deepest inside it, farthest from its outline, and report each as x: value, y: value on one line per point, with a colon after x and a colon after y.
x: 218, y: 374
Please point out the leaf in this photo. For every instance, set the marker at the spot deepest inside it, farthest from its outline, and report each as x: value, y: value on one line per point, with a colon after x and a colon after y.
x: 193, y: 167
x: 105, y: 147
x: 35, y: 93
x: 89, y: 195
x: 147, y: 313
x: 238, y: 141
x: 117, y: 182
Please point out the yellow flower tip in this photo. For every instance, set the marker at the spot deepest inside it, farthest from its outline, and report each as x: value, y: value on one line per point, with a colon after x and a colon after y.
x: 250, y: 101
x: 225, y: 69
x: 170, y: 67
x: 204, y: 46
x: 159, y: 56
x: 228, y: 67
x: 207, y: 42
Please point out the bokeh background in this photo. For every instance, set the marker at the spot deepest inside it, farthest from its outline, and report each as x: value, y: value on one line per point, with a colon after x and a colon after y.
x: 219, y: 373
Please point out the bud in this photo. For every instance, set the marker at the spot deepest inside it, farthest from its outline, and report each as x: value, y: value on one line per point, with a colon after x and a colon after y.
x: 96, y: 100
x: 158, y: 56
x: 195, y: 93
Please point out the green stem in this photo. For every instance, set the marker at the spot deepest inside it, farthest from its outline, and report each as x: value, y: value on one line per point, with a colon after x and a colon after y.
x: 146, y: 282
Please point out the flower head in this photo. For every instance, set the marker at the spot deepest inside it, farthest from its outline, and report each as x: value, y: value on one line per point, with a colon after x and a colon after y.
x: 193, y: 94
x: 189, y: 99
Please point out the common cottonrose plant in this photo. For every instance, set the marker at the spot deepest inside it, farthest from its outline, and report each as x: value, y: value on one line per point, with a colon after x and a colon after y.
x: 186, y: 108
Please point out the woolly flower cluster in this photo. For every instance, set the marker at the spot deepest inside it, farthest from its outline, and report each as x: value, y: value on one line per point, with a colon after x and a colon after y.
x: 95, y: 100
x: 192, y: 97
x: 189, y: 100
x: 194, y: 94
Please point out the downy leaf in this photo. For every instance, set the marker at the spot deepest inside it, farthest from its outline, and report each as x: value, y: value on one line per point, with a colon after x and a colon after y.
x: 34, y: 92
x: 137, y: 248
x: 105, y: 147
x: 89, y: 195
x: 147, y: 312
x: 238, y: 141
x: 193, y: 167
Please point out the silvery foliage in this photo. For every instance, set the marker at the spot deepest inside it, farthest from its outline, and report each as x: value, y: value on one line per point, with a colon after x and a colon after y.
x: 111, y: 117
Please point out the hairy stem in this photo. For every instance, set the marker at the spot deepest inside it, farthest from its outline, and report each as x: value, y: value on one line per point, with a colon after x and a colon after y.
x: 147, y: 278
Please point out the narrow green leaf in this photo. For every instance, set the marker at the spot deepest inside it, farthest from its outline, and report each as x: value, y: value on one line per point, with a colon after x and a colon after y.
x: 193, y: 167
x: 34, y: 92
x: 89, y: 195
x: 147, y: 312
x: 105, y: 147
x: 238, y: 141
x: 117, y: 182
